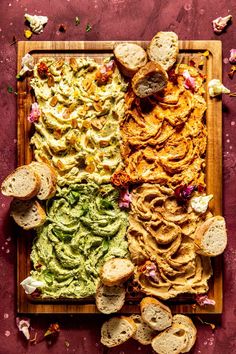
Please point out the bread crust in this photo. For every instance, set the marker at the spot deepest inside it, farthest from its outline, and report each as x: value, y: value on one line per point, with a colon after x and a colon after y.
x: 172, y: 57
x: 34, y: 190
x: 125, y: 68
x: 173, y: 329
x: 148, y: 71
x: 200, y: 233
x: 188, y: 324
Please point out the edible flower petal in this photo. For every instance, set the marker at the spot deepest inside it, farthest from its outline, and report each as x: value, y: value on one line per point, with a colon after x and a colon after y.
x: 35, y: 113
x: 232, y: 58
x: 120, y: 179
x: 124, y: 198
x: 23, y: 325
x: 200, y: 203
x: 36, y: 23
x: 220, y: 23
x: 53, y: 330
x: 150, y: 270
x: 189, y: 82
x: 216, y: 88
x: 30, y: 284
x: 105, y: 72
x: 28, y: 34
x: 204, y: 300
x: 27, y: 64
x: 183, y: 193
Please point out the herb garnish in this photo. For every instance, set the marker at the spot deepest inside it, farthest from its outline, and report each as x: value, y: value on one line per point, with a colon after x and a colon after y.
x: 88, y: 27
x: 77, y: 20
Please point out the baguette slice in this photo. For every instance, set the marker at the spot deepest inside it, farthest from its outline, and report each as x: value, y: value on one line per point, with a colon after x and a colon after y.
x: 211, y: 237
x: 23, y: 183
x: 172, y: 341
x: 48, y: 180
x: 117, y: 330
x: 164, y: 49
x: 144, y: 333
x: 155, y: 314
x: 150, y: 79
x: 116, y: 271
x: 27, y: 214
x: 191, y: 330
x: 130, y: 57
x: 110, y: 299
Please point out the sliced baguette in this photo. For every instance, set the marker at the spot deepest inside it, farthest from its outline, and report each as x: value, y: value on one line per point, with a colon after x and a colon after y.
x: 130, y: 57
x: 116, y: 271
x: 48, y: 180
x: 164, y: 49
x: 23, y: 183
x: 191, y: 330
x: 144, y: 333
x: 172, y: 341
x: 110, y: 299
x: 210, y: 238
x: 117, y: 330
x: 28, y: 214
x: 155, y: 314
x: 150, y: 79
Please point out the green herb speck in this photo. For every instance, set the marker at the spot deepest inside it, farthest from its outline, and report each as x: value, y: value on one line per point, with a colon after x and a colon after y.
x: 77, y: 20
x: 88, y: 27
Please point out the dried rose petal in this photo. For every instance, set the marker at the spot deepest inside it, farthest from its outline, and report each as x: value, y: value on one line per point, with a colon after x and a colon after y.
x: 23, y: 325
x: 220, y: 23
x: 53, y: 330
x: 124, y: 198
x: 204, y: 300
x: 173, y: 77
x: 183, y: 193
x: 189, y: 82
x: 232, y: 58
x: 105, y: 72
x: 34, y: 114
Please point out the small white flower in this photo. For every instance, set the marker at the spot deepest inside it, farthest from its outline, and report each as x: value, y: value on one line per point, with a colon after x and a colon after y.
x: 27, y: 64
x: 36, y: 22
x: 216, y: 88
x: 200, y: 204
x: 30, y: 285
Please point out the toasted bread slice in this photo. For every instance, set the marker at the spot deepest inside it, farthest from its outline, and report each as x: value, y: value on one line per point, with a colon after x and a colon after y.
x: 48, y: 180
x: 191, y: 330
x: 110, y: 299
x: 164, y: 49
x: 150, y: 79
x: 130, y: 57
x: 210, y: 238
x: 28, y: 214
x: 172, y: 341
x: 155, y: 314
x: 23, y: 183
x: 116, y: 271
x: 117, y: 330
x: 144, y: 333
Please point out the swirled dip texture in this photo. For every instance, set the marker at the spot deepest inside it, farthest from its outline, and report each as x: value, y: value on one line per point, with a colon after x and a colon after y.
x: 164, y: 136
x: 84, y: 228
x: 78, y: 131
x: 160, y: 238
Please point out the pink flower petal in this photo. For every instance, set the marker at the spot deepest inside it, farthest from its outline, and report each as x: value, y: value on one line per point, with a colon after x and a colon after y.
x: 204, y: 300
x: 23, y: 325
x: 232, y: 58
x: 34, y: 114
x: 189, y: 82
x: 124, y: 198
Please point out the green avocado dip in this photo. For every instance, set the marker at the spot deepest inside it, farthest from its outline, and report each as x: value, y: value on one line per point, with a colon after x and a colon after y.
x: 85, y: 227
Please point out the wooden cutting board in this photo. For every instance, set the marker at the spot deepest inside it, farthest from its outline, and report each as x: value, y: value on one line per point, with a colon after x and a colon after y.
x: 189, y: 50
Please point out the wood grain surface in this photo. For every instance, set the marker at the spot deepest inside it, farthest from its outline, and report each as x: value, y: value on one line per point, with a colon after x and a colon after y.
x: 98, y: 50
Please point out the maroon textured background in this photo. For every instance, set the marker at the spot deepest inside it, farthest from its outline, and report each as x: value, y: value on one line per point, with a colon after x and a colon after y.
x: 110, y: 20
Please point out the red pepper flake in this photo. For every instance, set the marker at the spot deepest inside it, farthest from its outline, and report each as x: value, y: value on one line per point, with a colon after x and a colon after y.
x: 42, y: 70
x: 192, y: 63
x: 173, y: 77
